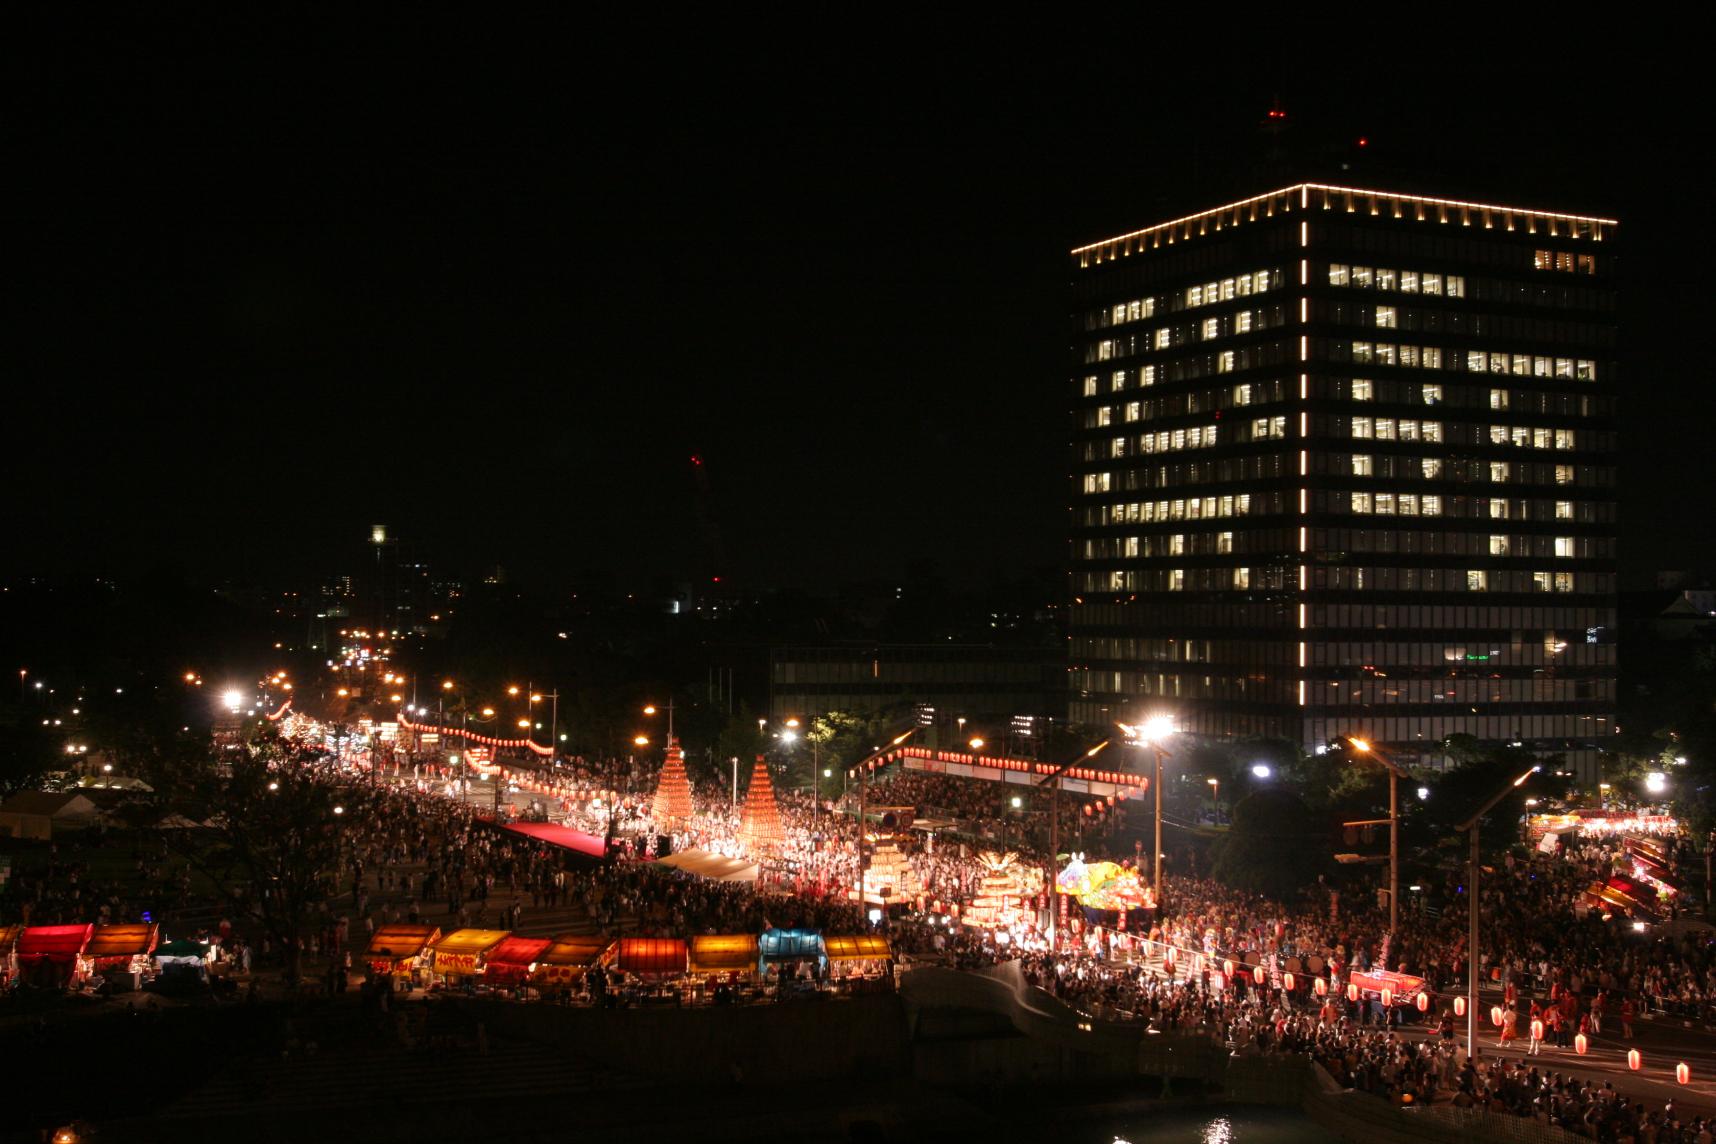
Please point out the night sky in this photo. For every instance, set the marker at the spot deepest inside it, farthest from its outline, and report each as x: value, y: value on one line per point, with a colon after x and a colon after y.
x: 497, y: 295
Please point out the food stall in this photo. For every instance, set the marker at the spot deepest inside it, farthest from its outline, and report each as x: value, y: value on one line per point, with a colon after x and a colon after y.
x: 51, y: 956
x: 1375, y: 985
x: 399, y: 951
x: 562, y: 965
x: 721, y: 962
x: 9, y: 955
x: 182, y: 962
x: 460, y: 956
x: 121, y: 951
x: 857, y: 960
x: 1624, y: 896
x: 514, y: 960
x: 649, y: 965
x: 791, y: 955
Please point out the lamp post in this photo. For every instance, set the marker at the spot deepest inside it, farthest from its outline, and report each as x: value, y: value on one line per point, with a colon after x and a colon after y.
x: 1150, y: 734
x: 1395, y: 773
x: 1470, y: 826
x: 1055, y: 830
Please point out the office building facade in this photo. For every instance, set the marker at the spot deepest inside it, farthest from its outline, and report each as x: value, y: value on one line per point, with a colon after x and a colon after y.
x: 1344, y: 464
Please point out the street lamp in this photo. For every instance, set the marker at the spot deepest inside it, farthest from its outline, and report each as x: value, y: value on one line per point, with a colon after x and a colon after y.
x: 1215, y: 798
x: 1471, y: 827
x: 1150, y: 734
x: 1395, y: 774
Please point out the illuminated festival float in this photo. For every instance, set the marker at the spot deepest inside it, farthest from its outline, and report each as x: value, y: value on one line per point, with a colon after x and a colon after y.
x: 1110, y: 896
x: 1004, y: 896
x: 760, y: 824
x: 673, y: 792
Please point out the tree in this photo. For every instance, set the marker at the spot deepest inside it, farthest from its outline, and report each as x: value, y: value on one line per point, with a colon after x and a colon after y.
x: 28, y: 750
x: 279, y: 834
x: 1275, y: 846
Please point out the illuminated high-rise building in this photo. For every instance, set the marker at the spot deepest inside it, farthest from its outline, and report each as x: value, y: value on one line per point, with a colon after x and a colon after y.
x: 1344, y: 464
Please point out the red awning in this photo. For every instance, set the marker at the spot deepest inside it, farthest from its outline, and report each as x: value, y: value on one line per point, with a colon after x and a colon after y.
x: 517, y: 951
x: 652, y: 955
x: 54, y: 943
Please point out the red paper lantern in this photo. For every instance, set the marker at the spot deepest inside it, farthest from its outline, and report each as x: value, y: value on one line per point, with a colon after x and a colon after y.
x: 1424, y: 1002
x: 1320, y: 987
x: 1683, y: 1073
x: 1580, y: 1044
x: 1387, y: 997
x: 1352, y: 992
x: 1537, y: 1030
x: 1217, y: 981
x: 1459, y: 1006
x: 1287, y: 982
x: 1227, y: 967
x: 1634, y: 1060
x: 1496, y: 1016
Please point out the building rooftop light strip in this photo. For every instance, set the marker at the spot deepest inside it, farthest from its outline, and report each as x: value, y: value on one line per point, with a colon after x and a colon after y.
x: 1339, y: 190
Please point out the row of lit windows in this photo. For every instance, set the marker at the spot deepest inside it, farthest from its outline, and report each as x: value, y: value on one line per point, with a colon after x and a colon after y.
x: 1171, y: 686
x: 1542, y: 689
x: 1383, y: 353
x: 1530, y: 365
x: 1395, y: 429
x: 1364, y: 389
x: 1405, y: 281
x: 1165, y: 544
x: 1522, y: 649
x: 1461, y: 617
x: 1558, y: 329
x: 1397, y: 504
x: 1250, y: 467
x: 1564, y: 261
x: 1186, y: 580
x: 1333, y: 545
x: 1392, y: 391
x: 1222, y: 290
x: 1585, y: 512
x: 1185, y: 508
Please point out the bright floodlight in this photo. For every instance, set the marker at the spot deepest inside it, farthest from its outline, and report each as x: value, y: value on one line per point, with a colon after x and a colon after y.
x: 233, y: 699
x: 1656, y: 782
x: 1423, y: 793
x: 1261, y: 770
x: 789, y: 736
x: 1156, y: 728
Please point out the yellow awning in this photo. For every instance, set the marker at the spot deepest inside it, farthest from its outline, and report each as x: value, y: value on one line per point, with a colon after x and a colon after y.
x: 471, y: 941
x: 852, y: 947
x: 723, y: 953
x: 391, y: 943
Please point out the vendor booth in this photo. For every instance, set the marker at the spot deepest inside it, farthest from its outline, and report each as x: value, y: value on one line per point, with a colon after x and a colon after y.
x: 1626, y: 897
x: 1398, y: 988
x: 651, y: 958
x: 400, y: 951
x: 122, y: 952
x: 461, y: 955
x: 514, y: 960
x: 9, y: 955
x: 858, y: 958
x: 562, y: 965
x: 182, y: 962
x: 791, y: 955
x: 49, y: 956
x: 720, y: 965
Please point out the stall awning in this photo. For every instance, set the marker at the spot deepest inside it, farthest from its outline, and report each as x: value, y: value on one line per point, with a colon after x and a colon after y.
x: 54, y: 943
x: 123, y: 941
x: 1403, y: 986
x: 574, y: 949
x: 723, y: 953
x: 791, y: 943
x: 394, y: 943
x: 854, y: 947
x: 652, y: 955
x: 705, y: 864
x: 463, y: 951
x: 9, y: 939
x: 181, y: 950
x: 521, y: 952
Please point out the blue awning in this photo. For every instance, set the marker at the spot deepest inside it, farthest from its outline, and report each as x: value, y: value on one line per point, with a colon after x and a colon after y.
x: 790, y: 943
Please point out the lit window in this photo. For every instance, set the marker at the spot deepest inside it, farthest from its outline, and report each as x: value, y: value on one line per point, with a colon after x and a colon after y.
x: 1090, y: 387
x: 1242, y: 322
x: 1500, y: 471
x: 1096, y: 482
x: 1498, y: 510
x: 1456, y: 286
x: 1224, y: 362
x: 1104, y: 414
x: 1194, y: 296
x: 1361, y: 277
x: 1432, y: 394
x: 1408, y: 430
x: 1563, y: 474
x: 1385, y: 428
x: 1177, y: 544
x: 1498, y: 546
x: 1164, y: 338
x: 1587, y: 264
x: 1586, y: 371
x: 1385, y: 279
x: 1212, y: 328
x: 1385, y: 503
x: 1542, y: 260
x: 1118, y: 381
x: 1563, y: 510
x: 1431, y: 431
x: 1432, y: 467
x: 1431, y: 504
x: 1409, y: 281
x: 1564, y: 581
x: 1361, y: 351
x: 1176, y: 579
x: 1432, y: 283
x: 1242, y: 578
x: 1387, y: 317
x: 1364, y: 465
x: 1564, y: 438
x: 1498, y: 399
x: 1147, y: 375
x: 1408, y: 503
x: 1477, y: 580
x: 1361, y: 502
x: 1362, y: 428
x: 1363, y: 389
x: 1541, y: 581
x: 1224, y: 541
x: 1564, y: 546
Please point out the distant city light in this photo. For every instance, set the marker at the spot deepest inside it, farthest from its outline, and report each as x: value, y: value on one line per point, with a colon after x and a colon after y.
x: 1261, y: 770
x: 1656, y: 782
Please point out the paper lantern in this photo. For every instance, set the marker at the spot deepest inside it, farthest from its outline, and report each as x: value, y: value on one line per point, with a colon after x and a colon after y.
x: 1496, y: 1016
x: 1459, y: 1006
x: 1217, y: 982
x: 1387, y: 997
x: 1320, y: 987
x: 1424, y: 1002
x: 1287, y: 982
x: 1580, y: 1044
x: 1537, y: 1030
x: 1634, y: 1060
x: 1352, y: 992
x: 1227, y: 967
x: 1683, y: 1073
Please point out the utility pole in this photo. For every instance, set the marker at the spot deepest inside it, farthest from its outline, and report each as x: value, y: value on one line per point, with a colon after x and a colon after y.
x: 1055, y: 829
x: 1470, y: 826
x: 1395, y: 771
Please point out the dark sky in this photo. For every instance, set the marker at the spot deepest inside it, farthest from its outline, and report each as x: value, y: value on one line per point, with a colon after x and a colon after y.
x: 497, y: 291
